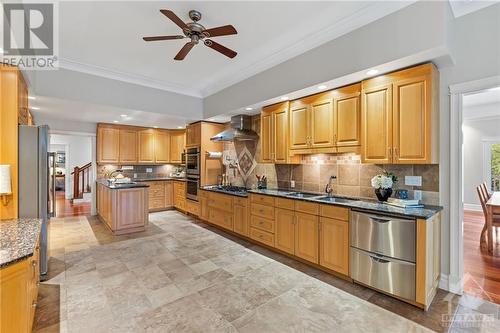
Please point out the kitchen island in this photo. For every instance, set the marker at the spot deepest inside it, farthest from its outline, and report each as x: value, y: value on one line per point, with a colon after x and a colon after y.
x: 123, y: 207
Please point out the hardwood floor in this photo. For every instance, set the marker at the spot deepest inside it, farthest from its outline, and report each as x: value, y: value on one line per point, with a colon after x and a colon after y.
x: 65, y: 207
x: 481, y: 270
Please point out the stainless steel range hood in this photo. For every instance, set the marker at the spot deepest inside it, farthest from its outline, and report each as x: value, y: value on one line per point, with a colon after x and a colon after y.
x: 241, y: 130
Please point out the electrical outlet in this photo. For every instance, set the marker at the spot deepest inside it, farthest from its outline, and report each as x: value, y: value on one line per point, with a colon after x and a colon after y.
x: 413, y: 180
x: 128, y: 167
x: 149, y: 170
x: 417, y: 195
x: 135, y: 175
x: 292, y: 183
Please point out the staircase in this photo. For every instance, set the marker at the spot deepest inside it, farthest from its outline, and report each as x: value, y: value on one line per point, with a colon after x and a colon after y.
x: 81, y: 181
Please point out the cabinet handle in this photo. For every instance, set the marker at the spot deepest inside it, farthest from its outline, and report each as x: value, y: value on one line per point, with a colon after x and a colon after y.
x: 389, y: 152
x: 335, y: 138
x: 33, y: 304
x: 396, y: 152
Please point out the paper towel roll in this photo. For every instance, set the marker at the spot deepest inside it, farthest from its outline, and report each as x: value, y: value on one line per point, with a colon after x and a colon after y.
x: 5, y: 187
x: 214, y: 154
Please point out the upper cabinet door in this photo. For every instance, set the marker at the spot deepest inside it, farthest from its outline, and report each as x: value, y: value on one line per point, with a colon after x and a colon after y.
x: 412, y: 111
x: 177, y: 145
x: 321, y: 130
x: 376, y: 124
x: 146, y: 146
x: 108, y: 143
x: 193, y: 135
x: 299, y: 124
x: 280, y: 128
x: 266, y: 137
x: 347, y: 115
x: 162, y: 146
x: 128, y: 146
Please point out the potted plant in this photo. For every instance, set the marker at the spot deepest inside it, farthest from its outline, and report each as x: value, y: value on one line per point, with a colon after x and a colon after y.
x: 383, y: 183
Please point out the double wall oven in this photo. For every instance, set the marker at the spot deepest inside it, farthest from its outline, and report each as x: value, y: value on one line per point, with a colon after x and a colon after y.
x: 193, y: 166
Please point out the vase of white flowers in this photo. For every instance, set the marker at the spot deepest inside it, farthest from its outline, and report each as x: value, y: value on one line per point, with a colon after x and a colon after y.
x: 383, y: 183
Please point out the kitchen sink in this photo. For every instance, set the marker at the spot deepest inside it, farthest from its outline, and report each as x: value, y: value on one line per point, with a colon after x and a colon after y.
x: 301, y: 195
x: 334, y: 199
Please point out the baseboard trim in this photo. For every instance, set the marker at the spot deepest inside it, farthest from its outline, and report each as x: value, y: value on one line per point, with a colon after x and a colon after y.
x: 451, y: 284
x: 473, y: 207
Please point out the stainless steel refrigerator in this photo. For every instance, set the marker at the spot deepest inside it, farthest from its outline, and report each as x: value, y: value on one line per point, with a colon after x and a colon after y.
x: 37, y: 183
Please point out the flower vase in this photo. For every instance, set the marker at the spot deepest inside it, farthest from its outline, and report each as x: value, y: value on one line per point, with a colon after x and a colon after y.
x: 383, y: 194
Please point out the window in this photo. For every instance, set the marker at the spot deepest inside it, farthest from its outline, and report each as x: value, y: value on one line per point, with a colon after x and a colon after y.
x: 495, y: 166
x: 491, y: 169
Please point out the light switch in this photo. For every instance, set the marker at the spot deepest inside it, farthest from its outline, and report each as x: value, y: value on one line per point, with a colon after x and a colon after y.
x: 292, y: 183
x: 413, y: 180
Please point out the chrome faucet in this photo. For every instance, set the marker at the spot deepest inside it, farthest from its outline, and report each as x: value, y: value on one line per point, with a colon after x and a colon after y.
x: 329, y: 186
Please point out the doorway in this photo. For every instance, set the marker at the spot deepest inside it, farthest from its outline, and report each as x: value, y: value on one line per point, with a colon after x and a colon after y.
x: 74, y: 173
x: 480, y: 165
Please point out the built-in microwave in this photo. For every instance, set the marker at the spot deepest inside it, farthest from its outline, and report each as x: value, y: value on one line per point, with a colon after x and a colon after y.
x: 193, y: 161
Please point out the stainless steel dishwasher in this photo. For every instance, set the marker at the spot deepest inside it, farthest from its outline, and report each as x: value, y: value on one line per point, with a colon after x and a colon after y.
x: 383, y: 253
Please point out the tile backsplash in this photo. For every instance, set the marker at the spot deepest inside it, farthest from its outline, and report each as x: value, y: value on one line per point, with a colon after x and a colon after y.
x: 140, y: 170
x: 312, y: 175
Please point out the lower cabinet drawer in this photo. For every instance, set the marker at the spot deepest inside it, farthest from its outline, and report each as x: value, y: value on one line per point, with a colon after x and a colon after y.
x: 221, y: 218
x: 193, y: 207
x: 396, y: 277
x: 262, y: 211
x: 262, y: 236
x: 156, y: 203
x: 262, y: 223
x: 180, y: 202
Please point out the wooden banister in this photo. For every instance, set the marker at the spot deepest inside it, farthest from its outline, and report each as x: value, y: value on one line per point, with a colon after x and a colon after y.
x: 81, y: 180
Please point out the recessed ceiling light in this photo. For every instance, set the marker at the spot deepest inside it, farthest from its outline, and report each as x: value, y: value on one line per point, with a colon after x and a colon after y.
x: 179, y: 127
x: 321, y: 87
x: 284, y: 98
x: 35, y: 108
x: 115, y: 121
x: 211, y: 119
x: 32, y: 98
x: 372, y: 72
x: 123, y: 115
x: 249, y: 109
x: 155, y: 126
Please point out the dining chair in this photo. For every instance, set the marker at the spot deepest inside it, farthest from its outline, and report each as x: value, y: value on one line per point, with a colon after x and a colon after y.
x: 485, y: 190
x: 483, y: 198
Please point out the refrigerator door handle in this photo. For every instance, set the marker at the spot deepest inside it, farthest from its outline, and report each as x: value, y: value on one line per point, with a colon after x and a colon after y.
x: 52, y: 168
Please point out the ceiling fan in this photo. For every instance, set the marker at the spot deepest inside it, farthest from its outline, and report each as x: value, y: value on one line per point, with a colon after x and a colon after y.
x: 196, y: 32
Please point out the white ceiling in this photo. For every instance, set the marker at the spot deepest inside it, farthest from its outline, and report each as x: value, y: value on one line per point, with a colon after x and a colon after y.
x: 105, y: 38
x: 483, y: 104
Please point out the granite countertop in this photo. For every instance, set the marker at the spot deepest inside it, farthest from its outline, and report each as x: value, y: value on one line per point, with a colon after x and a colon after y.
x: 18, y: 238
x: 120, y: 186
x: 158, y: 179
x: 365, y: 205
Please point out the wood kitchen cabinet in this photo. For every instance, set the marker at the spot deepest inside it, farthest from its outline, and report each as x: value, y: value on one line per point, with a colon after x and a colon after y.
x: 274, y: 134
x: 193, y: 135
x: 146, y: 146
x: 334, y: 245
x: 108, y: 144
x: 240, y: 216
x: 19, y: 291
x: 306, y: 233
x: 285, y: 230
x: 161, y: 195
x: 128, y: 146
x: 162, y: 146
x: 347, y: 117
x: 177, y: 145
x: 400, y: 117
x: 311, y: 123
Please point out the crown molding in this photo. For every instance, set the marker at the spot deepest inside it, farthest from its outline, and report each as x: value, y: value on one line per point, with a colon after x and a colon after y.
x: 127, y: 77
x: 349, y: 23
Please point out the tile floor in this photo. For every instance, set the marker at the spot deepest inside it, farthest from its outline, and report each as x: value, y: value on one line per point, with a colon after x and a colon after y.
x: 181, y: 275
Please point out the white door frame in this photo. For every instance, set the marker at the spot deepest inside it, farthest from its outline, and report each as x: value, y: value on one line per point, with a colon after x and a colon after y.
x: 92, y: 135
x: 457, y: 91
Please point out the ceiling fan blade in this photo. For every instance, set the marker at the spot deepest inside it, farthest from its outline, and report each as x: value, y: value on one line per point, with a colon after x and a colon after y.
x: 184, y: 51
x: 154, y: 38
x: 170, y: 14
x: 221, y: 31
x: 220, y: 48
